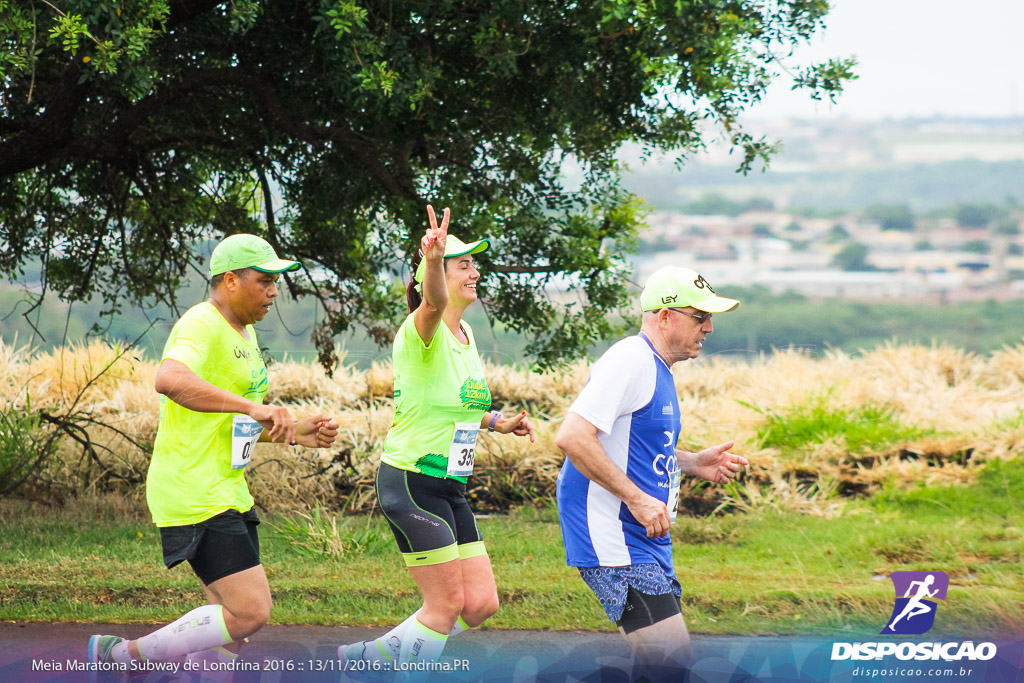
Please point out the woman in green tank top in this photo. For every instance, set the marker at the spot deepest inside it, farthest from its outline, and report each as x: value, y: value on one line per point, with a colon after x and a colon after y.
x: 441, y: 403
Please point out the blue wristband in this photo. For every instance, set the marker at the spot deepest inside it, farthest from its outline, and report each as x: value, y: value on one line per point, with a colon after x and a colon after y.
x: 494, y: 421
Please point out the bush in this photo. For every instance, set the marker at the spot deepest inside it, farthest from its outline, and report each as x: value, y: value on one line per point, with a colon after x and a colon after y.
x: 25, y: 445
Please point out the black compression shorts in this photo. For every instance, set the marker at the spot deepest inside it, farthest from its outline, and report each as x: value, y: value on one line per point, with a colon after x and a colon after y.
x: 643, y: 610
x: 429, y: 516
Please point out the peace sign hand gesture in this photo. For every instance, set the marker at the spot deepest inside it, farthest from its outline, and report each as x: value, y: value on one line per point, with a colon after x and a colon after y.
x: 432, y: 286
x: 433, y: 242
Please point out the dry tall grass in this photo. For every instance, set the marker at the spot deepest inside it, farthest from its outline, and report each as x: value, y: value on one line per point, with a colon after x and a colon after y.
x: 964, y: 409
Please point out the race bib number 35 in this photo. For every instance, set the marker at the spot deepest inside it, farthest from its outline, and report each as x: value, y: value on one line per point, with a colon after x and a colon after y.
x: 245, y: 432
x: 462, y: 451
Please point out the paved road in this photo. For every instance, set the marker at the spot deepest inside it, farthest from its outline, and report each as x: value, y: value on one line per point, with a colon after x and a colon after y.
x: 281, y: 654
x: 42, y: 652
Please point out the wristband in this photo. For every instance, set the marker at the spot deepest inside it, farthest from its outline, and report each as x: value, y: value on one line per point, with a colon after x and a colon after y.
x: 494, y: 420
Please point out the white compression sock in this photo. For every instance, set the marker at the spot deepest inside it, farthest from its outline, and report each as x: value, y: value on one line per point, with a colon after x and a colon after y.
x: 215, y: 665
x: 389, y: 645
x: 421, y: 644
x: 119, y: 653
x: 200, y: 629
x: 460, y: 626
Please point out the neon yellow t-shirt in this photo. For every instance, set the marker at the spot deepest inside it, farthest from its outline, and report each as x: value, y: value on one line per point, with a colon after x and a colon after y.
x: 436, y: 386
x: 190, y: 477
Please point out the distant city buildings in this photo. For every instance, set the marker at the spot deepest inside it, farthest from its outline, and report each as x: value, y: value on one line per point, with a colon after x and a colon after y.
x: 938, y: 261
x: 882, y: 252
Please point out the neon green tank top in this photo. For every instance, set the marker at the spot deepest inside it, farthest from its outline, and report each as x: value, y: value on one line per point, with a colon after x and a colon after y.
x: 190, y: 478
x: 436, y: 386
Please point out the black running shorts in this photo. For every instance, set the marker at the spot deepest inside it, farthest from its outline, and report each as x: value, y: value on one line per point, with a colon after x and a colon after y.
x: 223, y: 545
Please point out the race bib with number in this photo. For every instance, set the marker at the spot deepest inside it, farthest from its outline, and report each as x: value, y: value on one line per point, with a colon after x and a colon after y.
x: 245, y: 432
x: 675, y: 480
x: 462, y: 450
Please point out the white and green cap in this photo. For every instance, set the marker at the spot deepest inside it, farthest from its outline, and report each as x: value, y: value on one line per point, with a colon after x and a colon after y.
x: 676, y: 287
x: 453, y: 246
x: 248, y: 251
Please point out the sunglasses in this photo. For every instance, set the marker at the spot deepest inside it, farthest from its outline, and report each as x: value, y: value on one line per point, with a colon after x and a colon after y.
x: 701, y: 317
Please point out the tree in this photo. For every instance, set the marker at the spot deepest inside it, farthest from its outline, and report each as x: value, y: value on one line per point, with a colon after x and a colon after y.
x: 133, y: 133
x: 713, y: 204
x: 979, y: 215
x: 852, y: 257
x: 837, y: 233
x: 977, y: 247
x: 759, y: 204
x: 1009, y: 226
x: 892, y: 216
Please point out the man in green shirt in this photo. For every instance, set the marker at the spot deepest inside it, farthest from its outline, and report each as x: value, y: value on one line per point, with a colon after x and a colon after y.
x: 213, y: 381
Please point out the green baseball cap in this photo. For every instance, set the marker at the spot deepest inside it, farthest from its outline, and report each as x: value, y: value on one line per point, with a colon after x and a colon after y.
x: 248, y: 251
x: 675, y: 287
x: 453, y: 246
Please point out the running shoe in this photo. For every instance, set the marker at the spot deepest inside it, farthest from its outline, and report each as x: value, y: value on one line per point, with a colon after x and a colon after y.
x: 352, y: 651
x: 100, y: 648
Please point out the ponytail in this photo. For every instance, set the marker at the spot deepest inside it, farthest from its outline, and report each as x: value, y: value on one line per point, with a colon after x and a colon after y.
x: 412, y: 297
x: 412, y: 294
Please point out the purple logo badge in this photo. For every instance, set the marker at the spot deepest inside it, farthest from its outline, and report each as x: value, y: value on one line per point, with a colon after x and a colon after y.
x: 916, y: 595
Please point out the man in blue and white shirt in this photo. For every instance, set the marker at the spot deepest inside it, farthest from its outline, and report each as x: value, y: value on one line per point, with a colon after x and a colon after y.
x: 619, y: 486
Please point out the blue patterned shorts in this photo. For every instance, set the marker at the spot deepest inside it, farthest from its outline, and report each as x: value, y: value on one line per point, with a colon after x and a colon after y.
x: 611, y: 584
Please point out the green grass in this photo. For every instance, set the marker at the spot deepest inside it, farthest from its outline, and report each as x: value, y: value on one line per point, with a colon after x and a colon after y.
x: 860, y: 428
x: 995, y: 496
x: 763, y: 572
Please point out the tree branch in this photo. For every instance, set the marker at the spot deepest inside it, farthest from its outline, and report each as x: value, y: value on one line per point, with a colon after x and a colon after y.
x: 51, y: 133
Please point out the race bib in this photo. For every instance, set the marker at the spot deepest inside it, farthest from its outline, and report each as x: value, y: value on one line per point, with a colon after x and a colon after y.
x: 245, y: 432
x: 462, y: 450
x: 675, y: 480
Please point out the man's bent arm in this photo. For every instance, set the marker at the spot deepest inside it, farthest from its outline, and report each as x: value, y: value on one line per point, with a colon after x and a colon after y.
x: 178, y: 383
x: 578, y: 440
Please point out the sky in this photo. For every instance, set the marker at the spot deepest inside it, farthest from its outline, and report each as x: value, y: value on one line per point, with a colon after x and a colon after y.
x: 917, y: 58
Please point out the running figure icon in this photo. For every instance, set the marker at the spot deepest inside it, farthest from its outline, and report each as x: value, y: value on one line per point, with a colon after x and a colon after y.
x: 914, y: 606
x: 917, y: 596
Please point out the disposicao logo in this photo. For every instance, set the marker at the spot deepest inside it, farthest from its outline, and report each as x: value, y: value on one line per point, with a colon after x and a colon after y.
x: 913, y: 613
x: 916, y: 595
